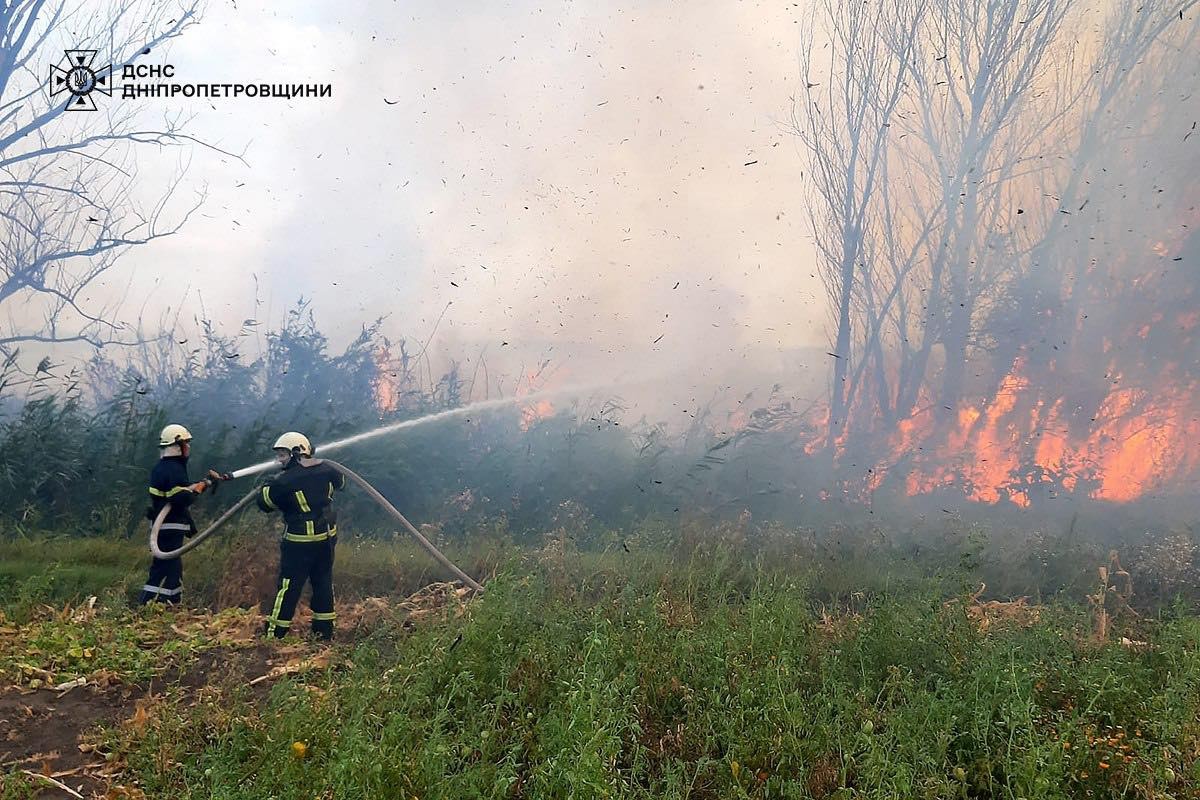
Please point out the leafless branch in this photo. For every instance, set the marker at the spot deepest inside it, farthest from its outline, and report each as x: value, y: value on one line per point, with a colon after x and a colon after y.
x: 68, y: 205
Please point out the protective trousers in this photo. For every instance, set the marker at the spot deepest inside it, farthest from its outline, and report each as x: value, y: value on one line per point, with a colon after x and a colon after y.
x: 300, y: 562
x: 165, y: 583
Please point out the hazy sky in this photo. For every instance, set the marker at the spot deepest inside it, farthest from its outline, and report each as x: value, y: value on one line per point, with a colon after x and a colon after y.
x: 567, y: 165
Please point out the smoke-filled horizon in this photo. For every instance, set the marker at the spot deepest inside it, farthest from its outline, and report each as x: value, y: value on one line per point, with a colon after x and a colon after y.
x: 599, y: 186
x: 982, y: 221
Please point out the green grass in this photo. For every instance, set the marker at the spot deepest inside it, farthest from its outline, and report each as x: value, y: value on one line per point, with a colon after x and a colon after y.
x: 120, y: 643
x: 16, y: 786
x: 670, y: 671
x: 58, y: 569
x: 654, y: 682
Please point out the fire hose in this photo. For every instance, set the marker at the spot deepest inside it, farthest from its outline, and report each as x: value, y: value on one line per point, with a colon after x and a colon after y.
x: 349, y: 473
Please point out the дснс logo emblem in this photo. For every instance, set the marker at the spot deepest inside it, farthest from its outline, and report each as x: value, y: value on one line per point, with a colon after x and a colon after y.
x: 79, y: 78
x: 74, y: 80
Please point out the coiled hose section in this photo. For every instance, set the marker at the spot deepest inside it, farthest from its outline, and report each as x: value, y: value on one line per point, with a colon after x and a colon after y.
x: 245, y: 501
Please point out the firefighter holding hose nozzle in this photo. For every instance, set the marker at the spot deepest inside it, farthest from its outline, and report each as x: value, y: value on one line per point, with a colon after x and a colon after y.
x: 169, y: 484
x: 303, y: 493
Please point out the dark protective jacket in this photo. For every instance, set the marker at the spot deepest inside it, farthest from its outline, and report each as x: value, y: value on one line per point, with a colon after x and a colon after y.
x: 303, y: 493
x: 169, y: 484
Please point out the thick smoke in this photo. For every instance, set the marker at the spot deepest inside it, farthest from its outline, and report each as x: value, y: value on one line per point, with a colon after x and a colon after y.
x: 606, y: 188
x: 1016, y: 322
x: 564, y: 194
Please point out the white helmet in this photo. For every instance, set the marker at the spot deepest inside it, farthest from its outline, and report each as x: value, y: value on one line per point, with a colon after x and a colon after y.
x: 292, y: 441
x: 173, y: 434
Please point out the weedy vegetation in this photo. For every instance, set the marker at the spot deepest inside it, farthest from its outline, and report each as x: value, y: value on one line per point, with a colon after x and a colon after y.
x: 667, y: 614
x: 686, y: 662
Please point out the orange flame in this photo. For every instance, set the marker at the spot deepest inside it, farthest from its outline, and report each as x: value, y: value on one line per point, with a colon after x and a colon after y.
x: 530, y: 414
x: 387, y: 392
x: 541, y: 409
x: 1139, y: 442
x: 1052, y: 423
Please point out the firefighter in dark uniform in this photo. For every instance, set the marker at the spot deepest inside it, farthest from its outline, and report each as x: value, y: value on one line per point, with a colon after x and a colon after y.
x: 169, y: 483
x: 303, y: 493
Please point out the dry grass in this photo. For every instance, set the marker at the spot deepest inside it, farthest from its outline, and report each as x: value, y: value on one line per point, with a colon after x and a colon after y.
x: 987, y: 614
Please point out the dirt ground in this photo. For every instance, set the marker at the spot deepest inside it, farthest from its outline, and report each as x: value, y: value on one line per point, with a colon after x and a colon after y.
x: 47, y: 732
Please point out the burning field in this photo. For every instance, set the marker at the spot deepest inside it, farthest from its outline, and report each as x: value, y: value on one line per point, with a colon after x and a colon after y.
x: 1105, y: 408
x: 853, y: 456
x: 1016, y: 313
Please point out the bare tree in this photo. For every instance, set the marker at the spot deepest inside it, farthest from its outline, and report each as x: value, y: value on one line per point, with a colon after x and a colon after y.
x: 974, y: 258
x: 1064, y: 146
x: 979, y: 64
x: 70, y: 199
x: 844, y: 125
x: 1142, y: 48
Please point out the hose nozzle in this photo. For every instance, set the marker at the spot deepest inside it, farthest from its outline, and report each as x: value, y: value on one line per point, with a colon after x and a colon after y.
x: 215, y: 479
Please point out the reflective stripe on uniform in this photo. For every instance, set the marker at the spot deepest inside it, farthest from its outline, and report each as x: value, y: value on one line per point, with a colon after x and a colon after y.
x: 303, y: 501
x: 164, y: 592
x: 274, y: 621
x: 169, y: 492
x: 321, y: 616
x: 310, y: 536
x: 174, y: 526
x: 266, y: 496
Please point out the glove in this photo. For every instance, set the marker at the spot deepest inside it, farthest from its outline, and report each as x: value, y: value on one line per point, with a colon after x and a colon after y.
x: 199, y: 487
x: 215, y: 478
